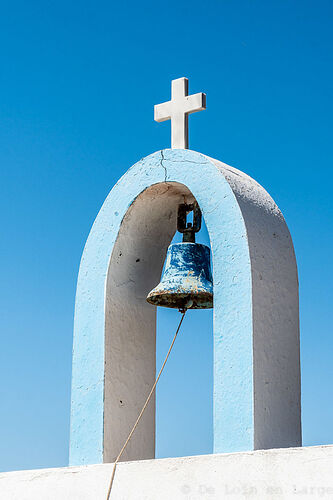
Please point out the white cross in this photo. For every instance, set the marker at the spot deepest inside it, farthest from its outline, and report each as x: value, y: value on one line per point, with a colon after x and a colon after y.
x: 178, y: 109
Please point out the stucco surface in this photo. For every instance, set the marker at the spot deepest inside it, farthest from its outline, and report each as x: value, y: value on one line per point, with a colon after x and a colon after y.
x: 130, y: 348
x: 275, y: 314
x: 256, y: 335
x: 270, y: 474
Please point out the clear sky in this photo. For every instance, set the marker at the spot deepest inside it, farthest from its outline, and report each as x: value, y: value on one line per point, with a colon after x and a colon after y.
x: 78, y: 80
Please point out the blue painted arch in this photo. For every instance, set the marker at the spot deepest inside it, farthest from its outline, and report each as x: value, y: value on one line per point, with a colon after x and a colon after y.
x: 234, y: 394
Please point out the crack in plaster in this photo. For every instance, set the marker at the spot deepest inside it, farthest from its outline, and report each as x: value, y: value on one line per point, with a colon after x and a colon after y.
x: 163, y: 166
x: 185, y: 161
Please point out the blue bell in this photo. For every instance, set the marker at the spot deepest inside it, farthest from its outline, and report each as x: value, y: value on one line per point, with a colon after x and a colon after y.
x: 187, y: 280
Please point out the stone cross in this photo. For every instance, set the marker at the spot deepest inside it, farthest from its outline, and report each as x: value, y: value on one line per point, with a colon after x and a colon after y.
x: 178, y: 109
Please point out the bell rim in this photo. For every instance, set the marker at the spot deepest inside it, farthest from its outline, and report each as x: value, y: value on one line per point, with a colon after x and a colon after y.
x: 203, y: 300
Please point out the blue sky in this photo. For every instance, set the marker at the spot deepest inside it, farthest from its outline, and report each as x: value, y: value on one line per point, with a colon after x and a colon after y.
x: 78, y: 81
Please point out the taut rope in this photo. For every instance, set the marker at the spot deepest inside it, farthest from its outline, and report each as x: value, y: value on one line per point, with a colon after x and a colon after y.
x: 144, y: 407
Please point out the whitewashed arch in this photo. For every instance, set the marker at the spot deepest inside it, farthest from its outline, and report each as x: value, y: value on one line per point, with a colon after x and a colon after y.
x: 256, y: 329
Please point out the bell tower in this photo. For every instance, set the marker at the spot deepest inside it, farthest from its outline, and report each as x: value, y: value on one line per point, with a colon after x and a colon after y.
x: 256, y: 394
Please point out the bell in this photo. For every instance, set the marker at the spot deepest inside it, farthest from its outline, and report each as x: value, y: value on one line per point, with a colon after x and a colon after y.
x: 187, y: 280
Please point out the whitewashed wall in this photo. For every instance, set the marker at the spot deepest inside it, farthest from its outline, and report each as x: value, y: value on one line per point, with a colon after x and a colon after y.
x: 288, y: 473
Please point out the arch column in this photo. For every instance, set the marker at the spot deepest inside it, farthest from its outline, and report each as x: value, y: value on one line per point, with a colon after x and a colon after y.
x: 256, y: 333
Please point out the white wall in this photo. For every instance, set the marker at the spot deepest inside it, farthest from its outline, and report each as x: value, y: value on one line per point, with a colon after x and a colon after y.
x: 270, y: 474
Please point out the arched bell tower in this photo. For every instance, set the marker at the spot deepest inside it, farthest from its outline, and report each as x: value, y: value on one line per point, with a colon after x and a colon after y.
x: 256, y: 320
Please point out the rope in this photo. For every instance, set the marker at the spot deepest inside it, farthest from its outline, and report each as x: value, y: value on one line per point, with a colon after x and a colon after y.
x: 144, y: 407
